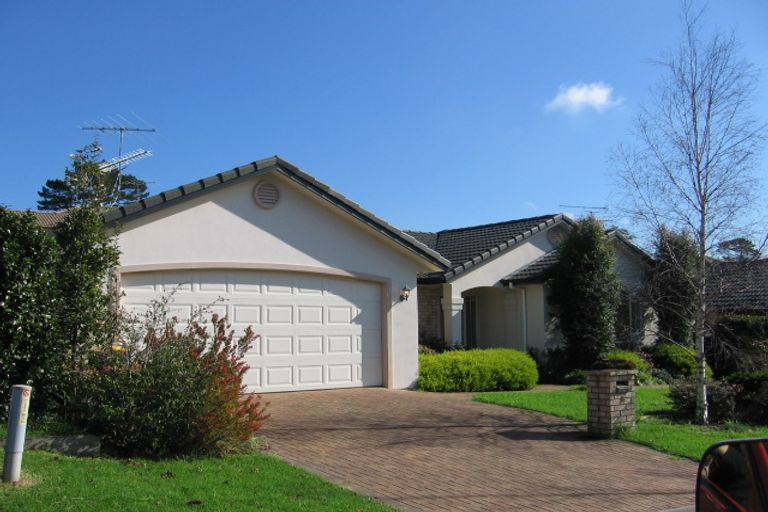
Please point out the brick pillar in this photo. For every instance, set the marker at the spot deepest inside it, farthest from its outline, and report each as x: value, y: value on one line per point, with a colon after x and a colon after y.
x: 611, y: 401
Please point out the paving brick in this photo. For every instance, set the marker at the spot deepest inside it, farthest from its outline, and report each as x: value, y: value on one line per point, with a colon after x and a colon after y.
x: 430, y: 452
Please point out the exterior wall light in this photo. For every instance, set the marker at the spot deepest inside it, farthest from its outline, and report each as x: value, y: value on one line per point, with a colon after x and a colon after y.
x: 405, y: 293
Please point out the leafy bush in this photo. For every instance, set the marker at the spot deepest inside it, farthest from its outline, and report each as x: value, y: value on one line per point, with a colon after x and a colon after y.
x: 679, y: 362
x: 752, y: 401
x: 721, y: 397
x: 29, y: 348
x: 644, y: 375
x: 477, y: 370
x: 170, y: 393
x: 739, y: 344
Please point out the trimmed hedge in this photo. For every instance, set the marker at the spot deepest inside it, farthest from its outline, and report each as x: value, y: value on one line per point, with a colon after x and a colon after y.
x: 498, y: 369
x: 643, y: 367
x: 679, y: 362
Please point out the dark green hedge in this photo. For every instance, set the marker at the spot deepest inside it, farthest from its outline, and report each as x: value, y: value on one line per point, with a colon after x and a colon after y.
x: 498, y: 369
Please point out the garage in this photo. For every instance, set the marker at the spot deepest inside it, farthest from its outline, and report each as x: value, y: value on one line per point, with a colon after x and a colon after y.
x: 315, y: 331
x: 329, y: 287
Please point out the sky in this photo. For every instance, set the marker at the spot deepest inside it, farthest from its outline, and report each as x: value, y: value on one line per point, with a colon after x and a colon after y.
x: 431, y: 114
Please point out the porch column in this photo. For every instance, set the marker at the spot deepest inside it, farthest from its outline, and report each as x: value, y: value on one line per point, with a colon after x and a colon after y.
x: 452, y: 324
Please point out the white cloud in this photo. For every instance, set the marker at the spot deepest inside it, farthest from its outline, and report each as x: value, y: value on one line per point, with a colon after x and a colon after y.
x: 531, y: 205
x: 574, y: 99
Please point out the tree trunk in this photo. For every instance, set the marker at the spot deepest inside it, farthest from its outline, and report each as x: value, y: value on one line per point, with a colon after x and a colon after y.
x: 702, y: 409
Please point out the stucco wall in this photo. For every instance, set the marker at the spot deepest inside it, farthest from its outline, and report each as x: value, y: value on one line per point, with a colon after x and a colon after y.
x: 491, y: 271
x: 302, y: 232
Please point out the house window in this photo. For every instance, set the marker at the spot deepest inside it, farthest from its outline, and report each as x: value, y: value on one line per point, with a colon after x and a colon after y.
x: 630, y: 320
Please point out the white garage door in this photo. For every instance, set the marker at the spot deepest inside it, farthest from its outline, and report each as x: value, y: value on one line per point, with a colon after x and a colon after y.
x: 315, y: 332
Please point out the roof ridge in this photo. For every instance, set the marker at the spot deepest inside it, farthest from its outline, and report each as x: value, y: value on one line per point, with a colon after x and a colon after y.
x: 490, y: 224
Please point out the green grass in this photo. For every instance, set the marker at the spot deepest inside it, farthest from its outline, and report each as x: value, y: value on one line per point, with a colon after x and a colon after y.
x: 234, y: 483
x: 655, y: 427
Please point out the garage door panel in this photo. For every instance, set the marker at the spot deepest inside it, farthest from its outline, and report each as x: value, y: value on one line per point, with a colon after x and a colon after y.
x: 340, y: 374
x: 311, y: 375
x: 279, y: 315
x: 310, y: 315
x: 278, y: 376
x: 314, y: 332
x: 340, y: 315
x: 340, y: 344
x: 245, y: 283
x: 278, y: 345
x: 309, y: 345
x: 246, y: 314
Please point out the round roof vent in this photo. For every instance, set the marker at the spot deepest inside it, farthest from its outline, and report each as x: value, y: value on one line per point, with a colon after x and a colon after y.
x: 266, y: 194
x: 556, y: 235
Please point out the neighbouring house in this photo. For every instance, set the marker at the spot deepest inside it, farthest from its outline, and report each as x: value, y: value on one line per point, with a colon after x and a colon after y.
x: 339, y: 297
x: 494, y: 293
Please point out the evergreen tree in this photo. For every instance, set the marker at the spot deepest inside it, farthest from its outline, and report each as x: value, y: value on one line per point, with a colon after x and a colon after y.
x: 85, y: 183
x: 585, y: 293
x: 673, y: 291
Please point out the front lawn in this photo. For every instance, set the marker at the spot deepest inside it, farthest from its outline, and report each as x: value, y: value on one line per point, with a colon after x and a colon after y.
x: 655, y: 427
x: 234, y: 483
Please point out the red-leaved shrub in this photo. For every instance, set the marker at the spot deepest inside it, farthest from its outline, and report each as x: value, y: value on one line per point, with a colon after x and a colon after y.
x: 169, y: 389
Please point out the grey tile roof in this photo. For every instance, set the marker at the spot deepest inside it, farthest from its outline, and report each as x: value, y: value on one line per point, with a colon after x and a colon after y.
x: 292, y: 172
x: 740, y: 286
x: 466, y: 247
x: 535, y: 271
x: 425, y: 237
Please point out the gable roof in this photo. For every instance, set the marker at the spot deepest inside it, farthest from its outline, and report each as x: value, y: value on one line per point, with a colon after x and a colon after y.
x: 738, y: 286
x: 470, y: 246
x: 536, y: 271
x: 293, y: 173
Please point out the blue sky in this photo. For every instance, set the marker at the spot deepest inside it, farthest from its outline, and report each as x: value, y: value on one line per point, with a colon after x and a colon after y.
x: 431, y: 114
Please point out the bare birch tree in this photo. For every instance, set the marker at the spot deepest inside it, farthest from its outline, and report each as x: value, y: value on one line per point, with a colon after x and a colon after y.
x: 693, y: 167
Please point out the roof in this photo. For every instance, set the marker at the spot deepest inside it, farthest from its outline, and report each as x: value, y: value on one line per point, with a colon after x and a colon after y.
x: 49, y: 220
x: 292, y: 172
x: 533, y: 272
x: 179, y: 194
x: 536, y: 271
x: 738, y: 286
x: 469, y: 246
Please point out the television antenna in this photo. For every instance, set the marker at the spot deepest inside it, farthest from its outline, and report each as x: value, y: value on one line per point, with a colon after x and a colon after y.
x: 118, y: 162
x: 122, y: 161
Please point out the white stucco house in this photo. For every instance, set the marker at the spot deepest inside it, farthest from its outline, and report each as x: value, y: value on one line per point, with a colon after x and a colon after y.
x: 494, y: 292
x: 338, y: 297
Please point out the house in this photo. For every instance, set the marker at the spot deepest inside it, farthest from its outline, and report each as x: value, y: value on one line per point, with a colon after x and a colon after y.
x: 494, y: 293
x: 338, y: 296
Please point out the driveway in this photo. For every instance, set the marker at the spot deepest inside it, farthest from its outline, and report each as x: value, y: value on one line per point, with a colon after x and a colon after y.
x: 428, y: 451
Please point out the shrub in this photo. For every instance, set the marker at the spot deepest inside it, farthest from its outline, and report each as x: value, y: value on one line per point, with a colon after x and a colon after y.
x: 644, y: 375
x: 721, y: 397
x: 752, y: 401
x: 29, y: 348
x: 170, y: 393
x: 679, y: 362
x: 477, y: 370
x: 739, y: 344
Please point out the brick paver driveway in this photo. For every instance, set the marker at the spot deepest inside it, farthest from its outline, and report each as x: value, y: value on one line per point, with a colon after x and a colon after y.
x: 424, y: 451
